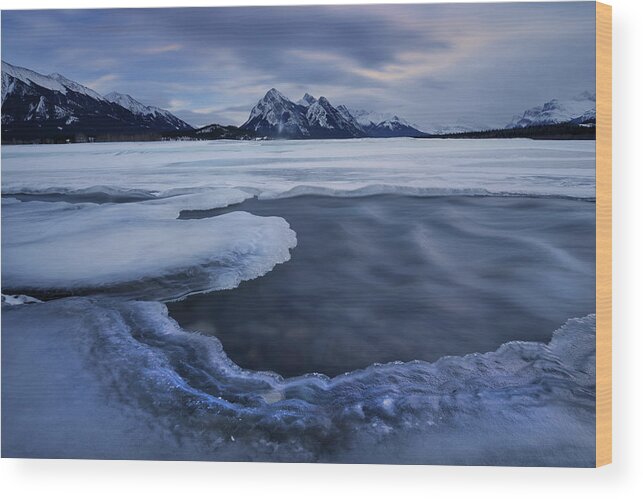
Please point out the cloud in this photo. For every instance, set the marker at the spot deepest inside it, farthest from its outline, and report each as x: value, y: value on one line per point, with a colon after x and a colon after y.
x: 104, y: 83
x: 434, y: 63
x: 176, y: 104
x: 161, y: 49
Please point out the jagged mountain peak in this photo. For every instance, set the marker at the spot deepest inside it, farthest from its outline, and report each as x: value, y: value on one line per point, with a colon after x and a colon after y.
x: 321, y: 114
x: 276, y: 116
x: 275, y: 95
x: 53, y: 107
x: 579, y: 109
x: 367, y: 118
x: 322, y: 103
x: 306, y: 100
x: 384, y: 124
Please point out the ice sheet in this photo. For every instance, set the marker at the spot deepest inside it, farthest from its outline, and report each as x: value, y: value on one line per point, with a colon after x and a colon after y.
x: 120, y: 379
x: 524, y: 404
x: 271, y: 168
x: 138, y: 249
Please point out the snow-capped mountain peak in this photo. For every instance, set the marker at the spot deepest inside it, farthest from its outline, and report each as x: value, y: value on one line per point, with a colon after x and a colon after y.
x: 367, y: 118
x: 274, y: 95
x: 276, y: 116
x: 384, y: 124
x: 27, y: 77
x: 75, y: 87
x: 318, y: 113
x: 347, y: 114
x: 35, y: 106
x: 129, y: 102
x: 154, y: 114
x: 579, y: 109
x: 326, y: 119
x: 306, y: 100
x: 55, y: 81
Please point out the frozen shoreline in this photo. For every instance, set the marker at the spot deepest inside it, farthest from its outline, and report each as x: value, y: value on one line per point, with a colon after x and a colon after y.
x: 121, y: 380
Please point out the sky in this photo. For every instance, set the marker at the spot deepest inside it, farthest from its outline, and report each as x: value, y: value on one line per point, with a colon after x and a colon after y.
x: 436, y: 65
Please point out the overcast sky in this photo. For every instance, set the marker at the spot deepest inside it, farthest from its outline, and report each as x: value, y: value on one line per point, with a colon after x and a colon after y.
x: 435, y: 65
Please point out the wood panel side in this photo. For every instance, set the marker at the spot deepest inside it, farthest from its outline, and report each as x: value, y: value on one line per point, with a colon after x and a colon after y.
x: 603, y: 234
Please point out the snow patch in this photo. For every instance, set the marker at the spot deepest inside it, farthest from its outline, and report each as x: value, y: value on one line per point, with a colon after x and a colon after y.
x: 76, y: 87
x: 578, y: 109
x: 27, y: 76
x: 12, y: 300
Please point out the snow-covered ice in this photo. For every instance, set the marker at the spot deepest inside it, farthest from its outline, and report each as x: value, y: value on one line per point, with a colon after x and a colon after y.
x: 155, y: 391
x: 57, y: 247
x: 272, y: 168
x: 121, y: 379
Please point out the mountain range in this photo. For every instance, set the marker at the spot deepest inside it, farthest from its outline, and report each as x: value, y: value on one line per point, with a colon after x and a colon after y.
x: 53, y: 108
x: 573, y: 119
x: 580, y: 110
x: 276, y: 116
x: 36, y: 106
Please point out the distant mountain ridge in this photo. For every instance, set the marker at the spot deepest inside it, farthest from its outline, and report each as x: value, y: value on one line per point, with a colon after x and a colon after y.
x: 579, y: 110
x: 53, y: 108
x: 573, y: 119
x: 50, y: 107
x: 155, y: 117
x: 384, y: 124
x: 211, y: 132
x: 276, y: 116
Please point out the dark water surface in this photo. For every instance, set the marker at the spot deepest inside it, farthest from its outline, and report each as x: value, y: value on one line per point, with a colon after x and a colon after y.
x: 394, y: 278
x: 80, y: 197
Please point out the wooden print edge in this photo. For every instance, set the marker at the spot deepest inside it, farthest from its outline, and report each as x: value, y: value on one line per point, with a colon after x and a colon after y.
x: 603, y: 234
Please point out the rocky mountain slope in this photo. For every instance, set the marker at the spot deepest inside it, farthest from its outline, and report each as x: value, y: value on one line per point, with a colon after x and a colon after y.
x: 276, y: 116
x: 38, y: 107
x: 580, y: 110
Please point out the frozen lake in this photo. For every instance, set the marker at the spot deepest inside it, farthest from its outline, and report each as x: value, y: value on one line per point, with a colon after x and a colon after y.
x: 300, y: 257
x: 423, y: 166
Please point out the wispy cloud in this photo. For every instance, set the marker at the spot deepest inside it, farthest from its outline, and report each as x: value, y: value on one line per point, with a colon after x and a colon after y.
x: 103, y: 84
x: 176, y: 104
x: 161, y: 49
